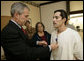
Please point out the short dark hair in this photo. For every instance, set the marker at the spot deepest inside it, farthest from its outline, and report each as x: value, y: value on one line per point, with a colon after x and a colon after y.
x: 37, y: 26
x: 63, y: 14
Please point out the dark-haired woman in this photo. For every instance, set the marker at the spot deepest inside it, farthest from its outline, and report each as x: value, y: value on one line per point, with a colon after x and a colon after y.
x: 42, y: 35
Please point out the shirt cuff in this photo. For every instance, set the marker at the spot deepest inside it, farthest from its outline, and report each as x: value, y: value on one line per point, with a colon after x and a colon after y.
x: 37, y: 42
x: 49, y: 47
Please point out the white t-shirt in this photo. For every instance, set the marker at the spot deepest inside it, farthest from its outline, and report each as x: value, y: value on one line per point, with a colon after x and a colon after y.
x: 70, y: 45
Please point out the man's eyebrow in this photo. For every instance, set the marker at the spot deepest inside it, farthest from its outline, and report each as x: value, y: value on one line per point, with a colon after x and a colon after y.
x: 55, y: 16
x: 26, y: 15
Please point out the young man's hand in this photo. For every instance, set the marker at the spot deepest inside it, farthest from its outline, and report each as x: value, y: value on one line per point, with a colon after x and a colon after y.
x: 54, y: 46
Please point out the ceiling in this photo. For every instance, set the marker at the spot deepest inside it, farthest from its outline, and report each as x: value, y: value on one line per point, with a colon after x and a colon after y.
x: 40, y: 2
x: 36, y: 3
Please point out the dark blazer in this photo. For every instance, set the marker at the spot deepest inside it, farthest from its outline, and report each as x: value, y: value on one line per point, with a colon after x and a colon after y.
x: 17, y: 46
x: 36, y: 37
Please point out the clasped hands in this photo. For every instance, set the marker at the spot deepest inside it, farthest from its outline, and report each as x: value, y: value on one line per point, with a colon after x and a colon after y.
x: 44, y: 43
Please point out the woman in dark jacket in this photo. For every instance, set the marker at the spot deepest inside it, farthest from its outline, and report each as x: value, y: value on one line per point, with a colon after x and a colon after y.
x: 42, y: 35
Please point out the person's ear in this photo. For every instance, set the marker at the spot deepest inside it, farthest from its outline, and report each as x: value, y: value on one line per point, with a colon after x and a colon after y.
x: 64, y: 19
x: 16, y: 15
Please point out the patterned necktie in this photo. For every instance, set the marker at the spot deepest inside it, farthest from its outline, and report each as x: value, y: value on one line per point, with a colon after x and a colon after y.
x: 23, y: 30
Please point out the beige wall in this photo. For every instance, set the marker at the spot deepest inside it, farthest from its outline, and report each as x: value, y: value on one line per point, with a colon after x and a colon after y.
x: 34, y: 14
x: 34, y: 11
x: 76, y: 5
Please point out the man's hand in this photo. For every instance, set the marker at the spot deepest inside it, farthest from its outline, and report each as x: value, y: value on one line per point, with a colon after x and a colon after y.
x: 42, y: 43
x: 54, y: 46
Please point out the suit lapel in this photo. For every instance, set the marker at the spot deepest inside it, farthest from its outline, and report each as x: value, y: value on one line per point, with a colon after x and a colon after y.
x: 19, y: 30
x: 22, y: 34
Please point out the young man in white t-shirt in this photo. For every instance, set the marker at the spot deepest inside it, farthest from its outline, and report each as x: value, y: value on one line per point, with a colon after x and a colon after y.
x: 69, y: 41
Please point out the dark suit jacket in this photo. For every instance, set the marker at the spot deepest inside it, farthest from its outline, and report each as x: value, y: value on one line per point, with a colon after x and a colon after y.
x: 17, y: 46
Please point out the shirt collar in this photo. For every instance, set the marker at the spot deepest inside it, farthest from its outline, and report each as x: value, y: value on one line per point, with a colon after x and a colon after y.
x: 16, y: 23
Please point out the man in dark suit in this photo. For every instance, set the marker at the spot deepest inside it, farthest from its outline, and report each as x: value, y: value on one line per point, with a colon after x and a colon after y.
x: 15, y: 43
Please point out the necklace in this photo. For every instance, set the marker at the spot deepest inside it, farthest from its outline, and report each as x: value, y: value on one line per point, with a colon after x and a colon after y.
x: 56, y: 39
